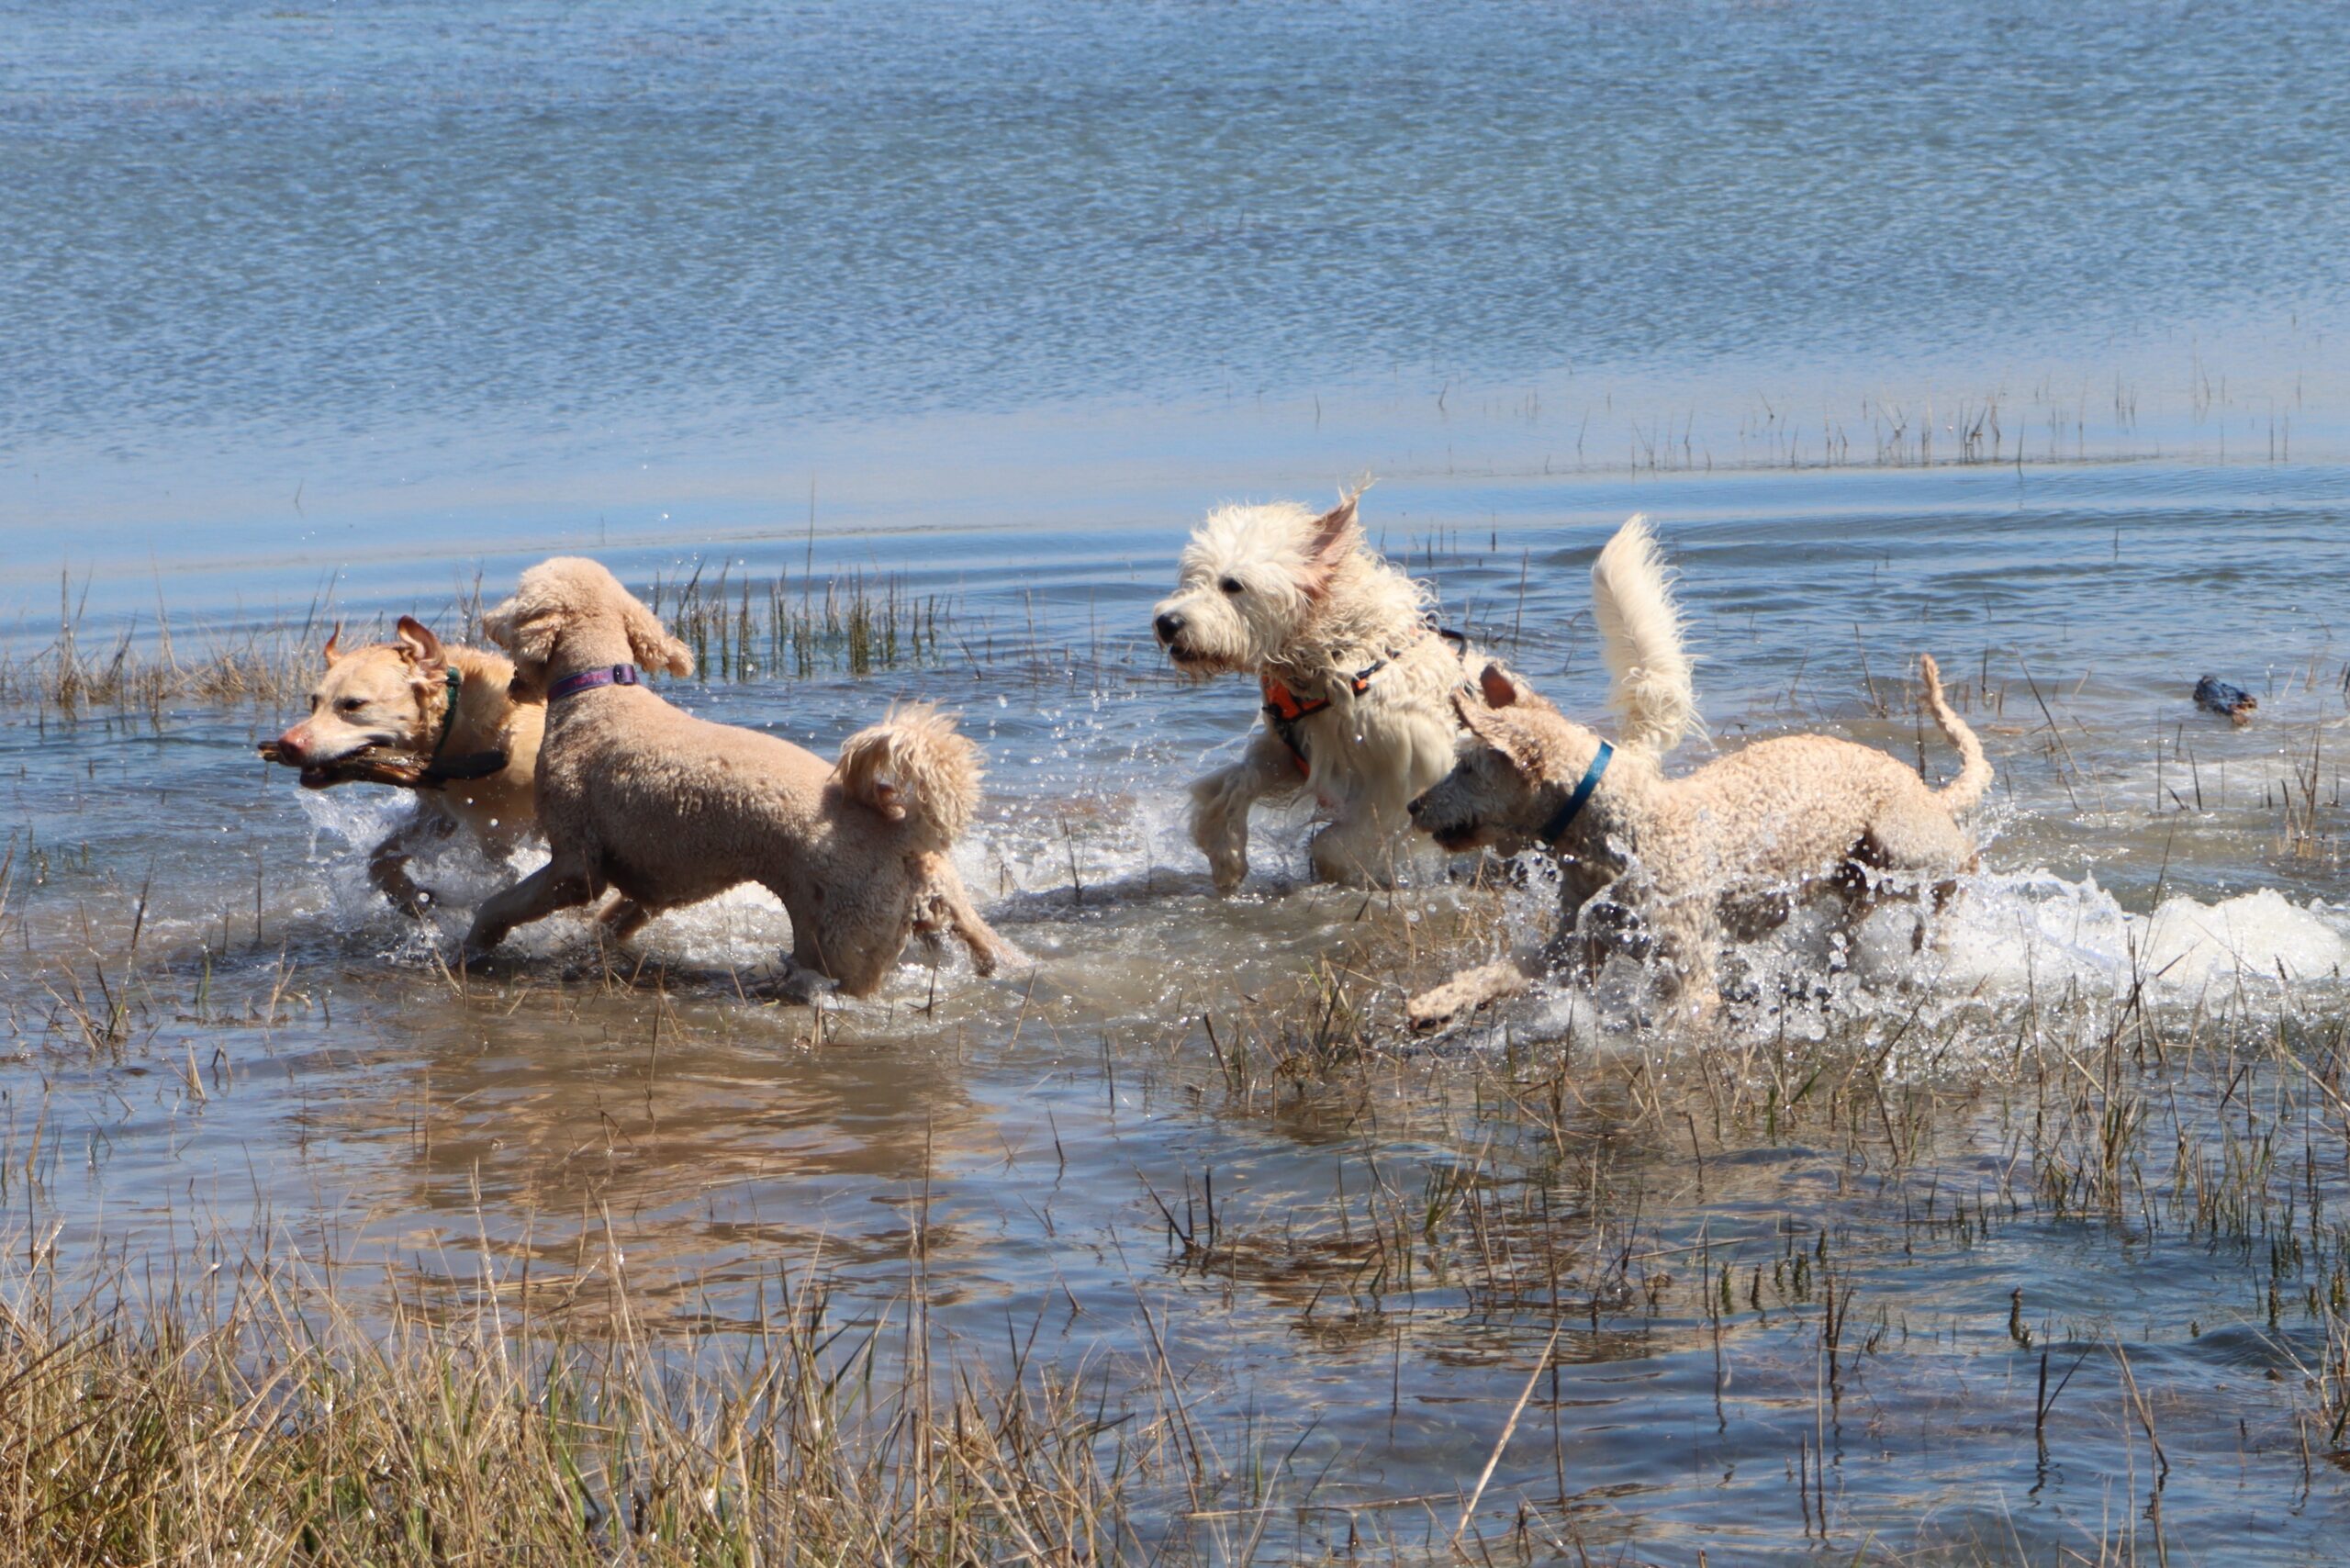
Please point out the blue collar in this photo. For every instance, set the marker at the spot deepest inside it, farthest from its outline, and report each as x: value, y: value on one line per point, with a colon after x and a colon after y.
x: 589, y: 679
x: 1581, y: 798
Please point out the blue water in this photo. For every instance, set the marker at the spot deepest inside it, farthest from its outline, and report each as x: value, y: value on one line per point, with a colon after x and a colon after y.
x: 2007, y: 333
x: 533, y: 265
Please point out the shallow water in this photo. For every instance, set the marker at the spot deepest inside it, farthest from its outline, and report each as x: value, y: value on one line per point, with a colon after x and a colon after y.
x: 296, y: 1062
x: 311, y: 316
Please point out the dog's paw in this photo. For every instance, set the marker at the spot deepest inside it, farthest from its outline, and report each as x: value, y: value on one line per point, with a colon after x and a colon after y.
x: 798, y: 987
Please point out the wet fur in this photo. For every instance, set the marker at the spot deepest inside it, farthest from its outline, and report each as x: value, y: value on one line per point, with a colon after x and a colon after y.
x: 1277, y: 592
x: 1730, y: 845
x: 393, y: 695
x: 670, y: 808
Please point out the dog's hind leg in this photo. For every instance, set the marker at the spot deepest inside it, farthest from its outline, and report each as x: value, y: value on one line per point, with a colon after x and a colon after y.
x: 624, y: 917
x: 1220, y: 802
x: 1914, y: 846
x: 552, y: 887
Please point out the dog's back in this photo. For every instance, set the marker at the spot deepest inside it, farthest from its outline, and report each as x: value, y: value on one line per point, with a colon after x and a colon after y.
x: 667, y: 807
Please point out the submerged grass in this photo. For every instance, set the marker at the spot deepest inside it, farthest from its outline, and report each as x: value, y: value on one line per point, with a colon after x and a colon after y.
x: 1536, y: 1194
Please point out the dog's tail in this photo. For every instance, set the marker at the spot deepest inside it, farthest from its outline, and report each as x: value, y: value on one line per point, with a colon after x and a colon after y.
x: 1640, y: 635
x: 1974, y: 768
x: 914, y: 766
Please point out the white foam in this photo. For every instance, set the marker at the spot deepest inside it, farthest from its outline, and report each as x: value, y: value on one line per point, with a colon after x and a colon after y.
x: 2016, y: 932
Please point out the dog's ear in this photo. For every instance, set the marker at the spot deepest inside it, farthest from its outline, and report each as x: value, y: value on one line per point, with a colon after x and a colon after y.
x: 419, y: 646
x: 329, y: 650
x: 1497, y: 688
x: 651, y: 642
x: 1497, y: 728
x: 525, y: 629
x: 1333, y: 537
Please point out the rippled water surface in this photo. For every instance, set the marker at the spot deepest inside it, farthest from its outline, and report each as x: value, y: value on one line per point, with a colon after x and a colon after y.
x: 2004, y: 335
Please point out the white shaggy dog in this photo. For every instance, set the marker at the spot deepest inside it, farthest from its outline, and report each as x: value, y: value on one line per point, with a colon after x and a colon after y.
x: 1357, y: 683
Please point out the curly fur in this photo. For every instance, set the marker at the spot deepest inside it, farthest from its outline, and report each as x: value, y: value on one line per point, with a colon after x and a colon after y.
x: 1655, y: 694
x: 671, y: 810
x: 395, y: 695
x: 1735, y: 841
x: 916, y: 765
x: 1278, y: 593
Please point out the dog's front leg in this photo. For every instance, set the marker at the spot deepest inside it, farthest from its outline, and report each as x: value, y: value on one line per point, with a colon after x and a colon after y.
x: 1220, y: 803
x: 1355, y: 851
x: 988, y: 950
x: 387, y: 862
x: 552, y: 887
x: 624, y: 917
x: 1687, y: 937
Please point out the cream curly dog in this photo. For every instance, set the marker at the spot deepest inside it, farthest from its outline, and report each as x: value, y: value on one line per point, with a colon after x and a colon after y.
x: 1731, y: 843
x: 1357, y: 682
x: 403, y: 712
x: 669, y: 809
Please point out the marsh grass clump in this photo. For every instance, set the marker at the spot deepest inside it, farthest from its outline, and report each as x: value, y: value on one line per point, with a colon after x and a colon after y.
x: 775, y: 630
x: 857, y: 625
x: 262, y: 1423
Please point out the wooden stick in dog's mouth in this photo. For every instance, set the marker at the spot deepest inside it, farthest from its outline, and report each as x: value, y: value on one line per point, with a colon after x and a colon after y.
x: 387, y: 764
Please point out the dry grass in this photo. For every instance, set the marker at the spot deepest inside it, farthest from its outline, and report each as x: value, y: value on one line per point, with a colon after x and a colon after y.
x: 265, y: 1426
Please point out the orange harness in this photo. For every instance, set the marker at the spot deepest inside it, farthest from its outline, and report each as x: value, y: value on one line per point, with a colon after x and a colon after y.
x: 1284, y: 712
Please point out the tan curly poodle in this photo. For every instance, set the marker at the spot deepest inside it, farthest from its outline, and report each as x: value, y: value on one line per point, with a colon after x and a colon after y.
x: 669, y: 809
x: 1731, y: 845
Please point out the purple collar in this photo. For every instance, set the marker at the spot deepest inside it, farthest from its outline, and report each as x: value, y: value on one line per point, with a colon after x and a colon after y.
x: 589, y: 679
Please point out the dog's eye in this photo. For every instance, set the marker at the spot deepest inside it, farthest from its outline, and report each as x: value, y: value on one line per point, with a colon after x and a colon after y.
x: 349, y: 705
x: 1231, y: 584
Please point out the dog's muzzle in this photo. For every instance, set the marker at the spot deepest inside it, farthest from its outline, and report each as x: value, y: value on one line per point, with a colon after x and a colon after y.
x: 1452, y: 835
x: 1170, y: 626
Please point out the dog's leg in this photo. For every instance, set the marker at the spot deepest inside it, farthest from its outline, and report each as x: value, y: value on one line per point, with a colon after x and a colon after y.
x: 1686, y: 935
x: 387, y: 862
x: 1465, y: 993
x: 1914, y: 843
x: 1221, y: 799
x: 988, y: 950
x: 1356, y: 852
x: 801, y: 986
x: 625, y: 917
x: 388, y: 871
x: 552, y: 887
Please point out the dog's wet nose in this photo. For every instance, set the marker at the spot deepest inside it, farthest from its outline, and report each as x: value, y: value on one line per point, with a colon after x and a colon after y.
x: 1167, y: 626
x: 1414, y: 809
x: 289, y: 744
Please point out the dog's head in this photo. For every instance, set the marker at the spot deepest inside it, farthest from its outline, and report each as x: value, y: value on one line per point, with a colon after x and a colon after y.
x: 570, y: 610
x: 374, y: 696
x: 1515, y: 763
x: 1250, y: 578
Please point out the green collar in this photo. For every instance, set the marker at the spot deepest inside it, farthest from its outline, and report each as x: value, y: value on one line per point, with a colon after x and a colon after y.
x: 449, y: 713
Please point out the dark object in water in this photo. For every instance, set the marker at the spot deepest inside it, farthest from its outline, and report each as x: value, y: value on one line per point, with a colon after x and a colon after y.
x: 384, y: 765
x: 2217, y: 696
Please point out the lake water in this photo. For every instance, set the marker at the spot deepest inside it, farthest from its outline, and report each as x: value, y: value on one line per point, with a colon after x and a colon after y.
x: 2011, y: 336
